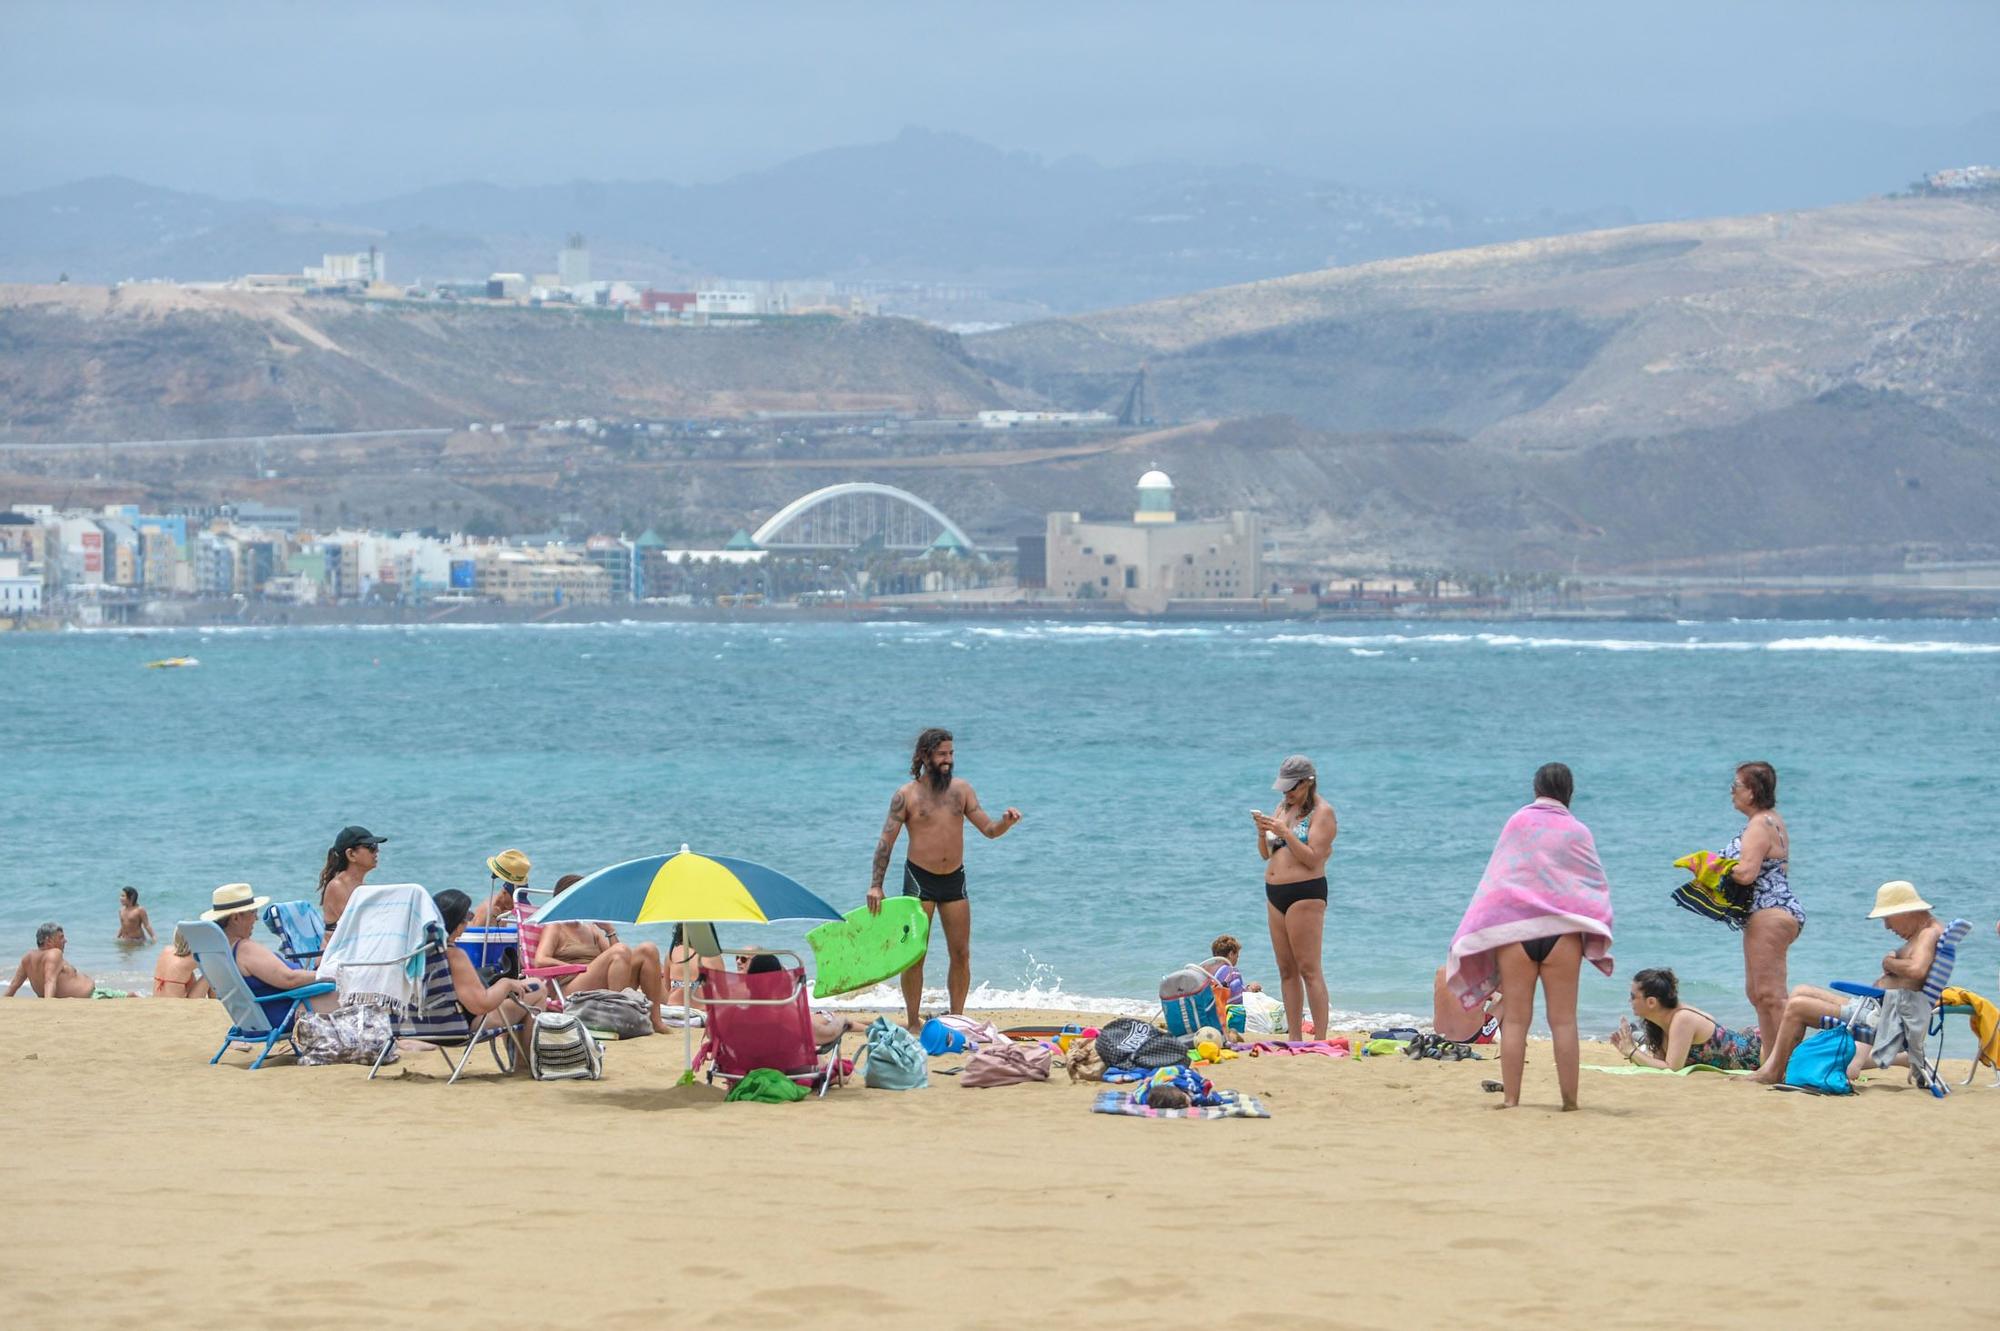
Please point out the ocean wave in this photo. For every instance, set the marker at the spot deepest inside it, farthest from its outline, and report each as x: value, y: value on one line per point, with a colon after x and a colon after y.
x: 1038, y: 631
x: 1843, y: 643
x: 1358, y: 644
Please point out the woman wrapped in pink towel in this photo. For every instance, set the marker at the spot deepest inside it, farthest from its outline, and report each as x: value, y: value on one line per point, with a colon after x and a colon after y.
x: 1543, y: 907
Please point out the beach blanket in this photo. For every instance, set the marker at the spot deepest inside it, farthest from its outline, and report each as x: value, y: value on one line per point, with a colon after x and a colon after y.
x: 382, y: 925
x: 1232, y: 1106
x: 1543, y: 880
x: 1334, y: 1048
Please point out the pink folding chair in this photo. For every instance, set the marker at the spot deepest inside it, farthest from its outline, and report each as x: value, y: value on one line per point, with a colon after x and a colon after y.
x: 530, y: 935
x: 763, y: 1020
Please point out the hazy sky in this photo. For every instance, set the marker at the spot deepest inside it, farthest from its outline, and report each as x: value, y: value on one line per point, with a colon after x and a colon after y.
x: 1671, y: 108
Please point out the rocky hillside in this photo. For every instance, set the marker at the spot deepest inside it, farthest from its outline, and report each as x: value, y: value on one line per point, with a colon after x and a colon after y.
x: 149, y: 362
x: 1642, y: 332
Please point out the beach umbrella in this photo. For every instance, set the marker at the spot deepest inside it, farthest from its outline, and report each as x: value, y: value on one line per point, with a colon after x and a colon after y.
x: 688, y: 889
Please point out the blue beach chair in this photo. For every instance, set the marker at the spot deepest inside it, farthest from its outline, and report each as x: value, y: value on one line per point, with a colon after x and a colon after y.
x: 300, y: 930
x: 1923, y: 1069
x: 253, y: 1021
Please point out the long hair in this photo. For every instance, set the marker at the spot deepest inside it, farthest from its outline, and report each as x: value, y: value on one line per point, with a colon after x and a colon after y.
x: 1304, y: 804
x: 1553, y: 781
x: 927, y: 744
x: 131, y: 895
x: 336, y: 862
x: 1660, y: 986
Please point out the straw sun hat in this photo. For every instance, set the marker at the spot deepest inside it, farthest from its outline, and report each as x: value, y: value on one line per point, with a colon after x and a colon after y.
x: 1897, y: 898
x: 509, y: 866
x: 233, y: 899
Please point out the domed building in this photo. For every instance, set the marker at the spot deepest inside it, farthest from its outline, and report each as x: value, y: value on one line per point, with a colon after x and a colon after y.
x: 1156, y: 558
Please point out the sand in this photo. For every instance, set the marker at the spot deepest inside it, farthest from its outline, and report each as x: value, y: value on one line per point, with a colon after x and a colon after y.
x: 146, y: 1189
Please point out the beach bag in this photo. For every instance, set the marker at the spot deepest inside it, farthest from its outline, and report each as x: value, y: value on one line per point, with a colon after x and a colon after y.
x: 625, y: 1013
x: 1263, y: 1014
x: 352, y: 1033
x: 1131, y: 1043
x: 1007, y: 1064
x: 895, y: 1059
x: 560, y: 1049
x: 1820, y: 1063
x: 975, y: 1033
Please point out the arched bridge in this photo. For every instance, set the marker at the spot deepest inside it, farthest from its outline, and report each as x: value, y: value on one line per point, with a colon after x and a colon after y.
x: 855, y: 513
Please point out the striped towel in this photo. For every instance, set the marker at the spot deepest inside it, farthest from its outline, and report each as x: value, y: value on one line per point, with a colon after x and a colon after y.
x: 437, y: 1016
x: 1232, y: 1106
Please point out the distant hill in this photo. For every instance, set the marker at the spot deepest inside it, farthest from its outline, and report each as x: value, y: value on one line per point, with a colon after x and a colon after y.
x: 151, y: 362
x: 923, y: 208
x: 1570, y: 341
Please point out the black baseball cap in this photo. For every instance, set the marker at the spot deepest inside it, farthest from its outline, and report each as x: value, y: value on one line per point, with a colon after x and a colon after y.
x: 350, y: 837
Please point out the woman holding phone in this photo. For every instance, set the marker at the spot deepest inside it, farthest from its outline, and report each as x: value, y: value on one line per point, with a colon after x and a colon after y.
x: 1295, y: 841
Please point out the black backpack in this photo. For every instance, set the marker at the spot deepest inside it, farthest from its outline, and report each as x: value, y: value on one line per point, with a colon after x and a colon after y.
x: 1131, y: 1043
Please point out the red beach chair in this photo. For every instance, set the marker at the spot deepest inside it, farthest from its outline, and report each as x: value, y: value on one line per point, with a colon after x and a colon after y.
x: 764, y: 1021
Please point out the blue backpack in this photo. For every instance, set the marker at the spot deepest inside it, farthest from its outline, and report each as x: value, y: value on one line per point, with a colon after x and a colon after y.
x: 1820, y: 1062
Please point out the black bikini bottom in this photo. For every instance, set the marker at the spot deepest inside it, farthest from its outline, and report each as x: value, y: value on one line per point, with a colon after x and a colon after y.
x: 1283, y: 896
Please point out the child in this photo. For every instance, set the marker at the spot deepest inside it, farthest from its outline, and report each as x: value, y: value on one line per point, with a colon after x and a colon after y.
x: 1221, y: 963
x: 133, y: 924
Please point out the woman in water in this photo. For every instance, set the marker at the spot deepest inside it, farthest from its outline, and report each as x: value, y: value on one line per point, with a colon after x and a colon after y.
x: 1674, y: 1036
x: 1762, y: 852
x: 1542, y: 907
x: 133, y: 924
x: 356, y: 852
x: 1295, y: 842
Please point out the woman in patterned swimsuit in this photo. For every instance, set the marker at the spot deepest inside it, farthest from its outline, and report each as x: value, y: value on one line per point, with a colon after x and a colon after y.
x: 1673, y: 1036
x: 1763, y: 852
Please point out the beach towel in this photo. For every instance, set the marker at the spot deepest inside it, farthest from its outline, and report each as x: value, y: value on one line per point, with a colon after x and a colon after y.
x: 300, y: 931
x: 383, y: 923
x: 1709, y: 891
x: 766, y: 1086
x: 1985, y: 1021
x: 1231, y: 1105
x: 1641, y: 1070
x: 1543, y: 880
x: 1337, y: 1047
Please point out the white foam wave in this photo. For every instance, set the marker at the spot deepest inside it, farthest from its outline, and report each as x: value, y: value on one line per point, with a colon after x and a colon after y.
x: 1842, y: 643
x: 1365, y: 651
x: 1039, y: 631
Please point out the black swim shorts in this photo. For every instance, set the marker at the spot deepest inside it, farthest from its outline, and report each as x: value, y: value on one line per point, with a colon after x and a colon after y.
x: 937, y: 888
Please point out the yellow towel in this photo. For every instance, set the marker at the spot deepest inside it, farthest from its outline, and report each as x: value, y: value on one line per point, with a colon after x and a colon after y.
x: 1985, y: 1022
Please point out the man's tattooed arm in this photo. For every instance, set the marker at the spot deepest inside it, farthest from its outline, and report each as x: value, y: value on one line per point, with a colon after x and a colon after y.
x: 886, y: 843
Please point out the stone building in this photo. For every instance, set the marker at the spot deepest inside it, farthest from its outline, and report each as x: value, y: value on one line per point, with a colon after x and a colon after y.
x: 1156, y: 557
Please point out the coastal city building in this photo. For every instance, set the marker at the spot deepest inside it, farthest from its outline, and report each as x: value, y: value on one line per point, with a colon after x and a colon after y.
x: 364, y: 269
x: 1156, y: 558
x: 20, y: 590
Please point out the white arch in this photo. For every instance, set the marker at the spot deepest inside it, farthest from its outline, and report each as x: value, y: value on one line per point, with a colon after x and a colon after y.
x: 805, y: 503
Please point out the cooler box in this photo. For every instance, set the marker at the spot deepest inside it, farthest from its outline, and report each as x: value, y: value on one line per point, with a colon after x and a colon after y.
x: 494, y: 951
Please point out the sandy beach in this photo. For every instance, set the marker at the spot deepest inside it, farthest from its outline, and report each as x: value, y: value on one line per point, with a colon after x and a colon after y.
x: 150, y: 1190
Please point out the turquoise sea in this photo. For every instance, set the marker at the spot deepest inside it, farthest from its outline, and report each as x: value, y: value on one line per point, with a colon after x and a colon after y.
x: 1133, y: 750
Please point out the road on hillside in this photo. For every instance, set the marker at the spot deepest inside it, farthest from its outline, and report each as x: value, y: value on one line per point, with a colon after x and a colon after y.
x: 232, y: 439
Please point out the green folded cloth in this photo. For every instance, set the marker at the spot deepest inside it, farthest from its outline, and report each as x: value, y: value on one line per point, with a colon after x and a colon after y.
x: 767, y: 1086
x: 105, y: 991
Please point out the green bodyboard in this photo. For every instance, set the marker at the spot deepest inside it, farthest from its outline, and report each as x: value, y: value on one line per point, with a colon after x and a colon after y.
x: 864, y: 949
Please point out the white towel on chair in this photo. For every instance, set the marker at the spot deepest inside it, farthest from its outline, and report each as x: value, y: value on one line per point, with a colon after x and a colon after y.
x: 383, y: 924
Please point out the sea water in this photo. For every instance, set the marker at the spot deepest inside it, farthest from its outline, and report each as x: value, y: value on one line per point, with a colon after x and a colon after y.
x: 1134, y: 751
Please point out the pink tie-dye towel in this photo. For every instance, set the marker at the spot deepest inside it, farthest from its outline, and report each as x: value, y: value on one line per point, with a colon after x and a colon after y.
x: 1544, y: 880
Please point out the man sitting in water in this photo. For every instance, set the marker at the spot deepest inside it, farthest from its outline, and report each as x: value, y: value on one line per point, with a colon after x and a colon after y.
x: 1904, y: 914
x: 47, y: 972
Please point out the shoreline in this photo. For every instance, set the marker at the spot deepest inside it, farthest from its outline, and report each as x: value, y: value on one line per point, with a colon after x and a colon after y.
x: 1381, y: 1192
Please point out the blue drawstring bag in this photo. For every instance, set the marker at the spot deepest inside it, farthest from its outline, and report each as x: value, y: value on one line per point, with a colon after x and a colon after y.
x: 1820, y: 1062
x: 895, y: 1060
x: 938, y: 1038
